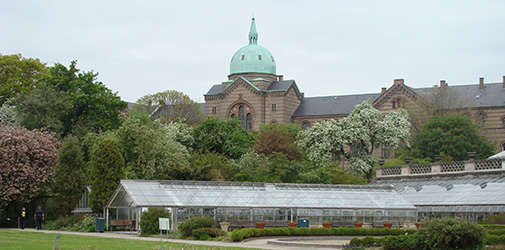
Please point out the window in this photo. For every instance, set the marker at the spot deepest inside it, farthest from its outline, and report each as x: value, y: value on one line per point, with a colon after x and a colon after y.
x: 274, y: 107
x: 503, y: 147
x: 384, y: 151
x: 481, y: 119
x: 394, y: 104
x: 214, y: 110
x: 243, y: 57
x: 305, y: 125
x: 503, y: 122
x: 244, y: 113
x: 397, y: 103
x: 259, y: 57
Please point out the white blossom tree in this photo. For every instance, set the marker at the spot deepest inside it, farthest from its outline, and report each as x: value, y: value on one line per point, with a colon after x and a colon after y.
x: 355, y: 137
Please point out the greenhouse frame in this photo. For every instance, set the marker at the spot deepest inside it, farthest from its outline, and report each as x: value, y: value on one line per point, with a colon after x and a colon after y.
x: 258, y: 202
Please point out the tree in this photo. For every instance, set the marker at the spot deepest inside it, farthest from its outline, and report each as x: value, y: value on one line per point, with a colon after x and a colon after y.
x: 93, y: 107
x: 454, y: 135
x: 43, y: 108
x: 8, y: 116
x: 19, y: 75
x: 27, y: 162
x: 355, y: 137
x: 278, y: 138
x: 106, y: 173
x: 70, y: 179
x: 170, y: 106
x: 150, y: 148
x: 224, y: 137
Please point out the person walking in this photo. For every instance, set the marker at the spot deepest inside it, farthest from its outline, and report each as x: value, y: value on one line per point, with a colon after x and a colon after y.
x: 22, y: 219
x: 39, y: 217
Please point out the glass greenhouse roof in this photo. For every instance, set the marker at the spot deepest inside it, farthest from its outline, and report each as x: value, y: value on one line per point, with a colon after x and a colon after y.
x: 472, y: 192
x: 149, y: 193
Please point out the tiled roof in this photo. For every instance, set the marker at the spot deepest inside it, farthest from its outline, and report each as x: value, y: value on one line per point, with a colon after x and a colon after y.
x: 331, y: 105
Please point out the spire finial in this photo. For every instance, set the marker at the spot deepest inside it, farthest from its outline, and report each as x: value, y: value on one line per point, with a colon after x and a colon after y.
x: 253, y: 35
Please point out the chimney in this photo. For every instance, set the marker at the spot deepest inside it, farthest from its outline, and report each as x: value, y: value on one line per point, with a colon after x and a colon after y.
x: 481, y: 82
x: 398, y: 81
x: 383, y: 89
x: 281, y: 78
x: 442, y: 84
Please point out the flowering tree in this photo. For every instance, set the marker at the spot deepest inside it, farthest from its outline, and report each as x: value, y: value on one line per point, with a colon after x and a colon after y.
x: 355, y: 137
x: 27, y: 161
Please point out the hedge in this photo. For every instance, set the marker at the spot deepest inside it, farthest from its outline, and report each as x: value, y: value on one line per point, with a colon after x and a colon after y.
x: 241, y: 234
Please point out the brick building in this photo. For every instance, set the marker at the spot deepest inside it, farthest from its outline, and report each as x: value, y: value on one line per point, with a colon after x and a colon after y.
x: 255, y: 94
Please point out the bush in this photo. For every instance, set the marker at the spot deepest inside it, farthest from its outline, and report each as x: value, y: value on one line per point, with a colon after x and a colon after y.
x: 187, y: 226
x: 355, y: 242
x: 496, y: 219
x: 149, y: 220
x: 207, y: 233
x: 449, y: 233
x: 402, y: 242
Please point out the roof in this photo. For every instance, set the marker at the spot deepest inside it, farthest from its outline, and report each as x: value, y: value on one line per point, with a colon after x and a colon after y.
x: 280, y: 85
x: 493, y: 94
x: 331, y: 105
x: 474, y: 191
x: 147, y: 193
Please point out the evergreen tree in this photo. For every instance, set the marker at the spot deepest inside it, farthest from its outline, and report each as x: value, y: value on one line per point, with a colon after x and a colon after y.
x: 70, y: 179
x: 106, y: 173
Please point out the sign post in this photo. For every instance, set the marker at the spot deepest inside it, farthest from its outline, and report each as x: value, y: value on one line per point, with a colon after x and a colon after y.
x: 164, y: 225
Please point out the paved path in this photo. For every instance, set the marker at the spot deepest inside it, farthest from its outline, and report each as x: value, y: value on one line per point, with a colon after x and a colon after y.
x: 258, y: 243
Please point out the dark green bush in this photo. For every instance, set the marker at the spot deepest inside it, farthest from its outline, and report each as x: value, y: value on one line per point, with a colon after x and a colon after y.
x: 355, y: 242
x: 207, y: 233
x: 149, y: 220
x: 493, y: 239
x: 401, y: 242
x: 370, y: 241
x: 187, y: 226
x: 450, y: 233
x: 496, y: 219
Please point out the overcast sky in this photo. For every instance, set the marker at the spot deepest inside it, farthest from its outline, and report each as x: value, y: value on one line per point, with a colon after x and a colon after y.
x: 327, y: 47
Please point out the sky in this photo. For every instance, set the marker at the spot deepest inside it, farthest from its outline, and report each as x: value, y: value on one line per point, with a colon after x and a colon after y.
x: 328, y: 47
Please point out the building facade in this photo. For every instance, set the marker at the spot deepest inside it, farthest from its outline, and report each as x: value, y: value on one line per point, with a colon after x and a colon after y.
x: 255, y: 94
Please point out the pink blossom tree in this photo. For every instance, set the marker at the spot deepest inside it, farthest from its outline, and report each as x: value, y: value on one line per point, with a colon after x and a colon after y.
x: 27, y: 163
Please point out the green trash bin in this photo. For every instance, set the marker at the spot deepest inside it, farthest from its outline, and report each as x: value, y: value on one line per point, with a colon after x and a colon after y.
x: 100, y: 225
x: 303, y: 223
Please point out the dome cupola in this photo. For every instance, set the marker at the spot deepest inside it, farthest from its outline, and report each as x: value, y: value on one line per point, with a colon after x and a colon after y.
x: 252, y: 58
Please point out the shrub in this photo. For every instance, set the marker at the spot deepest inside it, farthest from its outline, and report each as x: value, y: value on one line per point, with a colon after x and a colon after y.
x: 187, y: 226
x: 207, y: 233
x: 355, y: 242
x: 402, y: 242
x: 496, y: 219
x: 370, y: 241
x: 449, y: 233
x: 149, y: 220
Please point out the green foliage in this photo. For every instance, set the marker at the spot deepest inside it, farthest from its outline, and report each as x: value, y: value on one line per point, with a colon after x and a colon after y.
x: 70, y: 179
x: 449, y: 233
x: 149, y: 220
x: 8, y: 115
x: 225, y: 137
x: 496, y: 219
x: 149, y: 150
x: 356, y: 241
x: 93, y: 107
x: 355, y: 137
x: 207, y: 233
x: 170, y: 106
x: 186, y: 227
x: 241, y: 234
x: 207, y: 167
x: 454, y: 135
x: 400, y: 242
x: 278, y: 138
x: 19, y: 75
x: 106, y: 172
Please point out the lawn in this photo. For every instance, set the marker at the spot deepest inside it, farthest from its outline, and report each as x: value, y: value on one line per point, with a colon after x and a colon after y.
x: 16, y: 239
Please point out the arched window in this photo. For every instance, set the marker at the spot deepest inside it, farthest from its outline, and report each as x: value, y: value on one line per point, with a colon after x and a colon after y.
x: 481, y: 119
x: 503, y: 122
x: 394, y: 104
x: 503, y: 147
x: 397, y: 103
x: 244, y: 113
x: 384, y: 151
x: 305, y: 125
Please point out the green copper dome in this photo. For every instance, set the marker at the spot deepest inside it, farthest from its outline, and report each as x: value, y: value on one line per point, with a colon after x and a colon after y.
x: 252, y: 58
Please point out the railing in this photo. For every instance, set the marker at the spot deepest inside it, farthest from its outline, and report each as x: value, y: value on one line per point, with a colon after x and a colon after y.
x: 441, y: 168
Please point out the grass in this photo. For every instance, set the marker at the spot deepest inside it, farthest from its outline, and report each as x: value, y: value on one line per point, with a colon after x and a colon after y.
x: 16, y: 239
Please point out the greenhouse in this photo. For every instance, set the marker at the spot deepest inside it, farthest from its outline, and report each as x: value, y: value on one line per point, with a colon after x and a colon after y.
x: 472, y: 190
x: 259, y: 202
